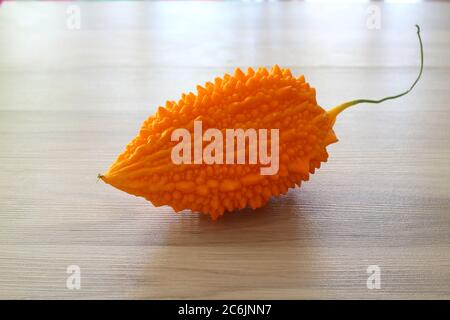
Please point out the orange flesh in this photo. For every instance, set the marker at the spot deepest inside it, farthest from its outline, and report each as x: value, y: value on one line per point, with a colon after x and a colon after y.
x: 259, y: 99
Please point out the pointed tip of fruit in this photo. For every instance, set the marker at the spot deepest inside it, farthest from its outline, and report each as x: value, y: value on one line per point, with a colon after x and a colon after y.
x: 101, y: 177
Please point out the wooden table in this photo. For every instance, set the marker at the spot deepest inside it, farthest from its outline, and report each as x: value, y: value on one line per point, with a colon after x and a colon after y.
x: 70, y: 100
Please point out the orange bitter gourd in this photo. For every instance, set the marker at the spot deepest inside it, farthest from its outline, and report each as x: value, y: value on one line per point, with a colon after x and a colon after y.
x: 254, y: 99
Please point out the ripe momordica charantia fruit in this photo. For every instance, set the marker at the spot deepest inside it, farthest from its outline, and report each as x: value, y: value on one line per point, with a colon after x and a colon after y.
x: 257, y: 100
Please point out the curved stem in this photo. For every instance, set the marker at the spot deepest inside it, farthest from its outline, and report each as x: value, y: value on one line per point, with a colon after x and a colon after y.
x: 338, y: 109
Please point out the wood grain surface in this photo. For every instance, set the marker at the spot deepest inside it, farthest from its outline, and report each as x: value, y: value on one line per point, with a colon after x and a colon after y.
x: 70, y: 100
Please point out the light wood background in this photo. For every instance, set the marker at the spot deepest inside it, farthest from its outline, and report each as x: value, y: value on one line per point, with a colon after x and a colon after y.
x: 70, y: 100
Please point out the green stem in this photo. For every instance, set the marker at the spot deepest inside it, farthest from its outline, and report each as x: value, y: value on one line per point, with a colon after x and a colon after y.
x: 336, y: 110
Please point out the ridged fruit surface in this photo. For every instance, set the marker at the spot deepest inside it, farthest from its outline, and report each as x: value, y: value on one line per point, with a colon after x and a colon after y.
x: 259, y: 99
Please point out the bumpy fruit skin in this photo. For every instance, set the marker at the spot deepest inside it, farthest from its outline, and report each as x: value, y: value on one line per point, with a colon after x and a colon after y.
x: 259, y: 99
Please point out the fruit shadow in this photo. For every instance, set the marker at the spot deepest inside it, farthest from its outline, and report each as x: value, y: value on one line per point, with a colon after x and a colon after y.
x: 263, y: 253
